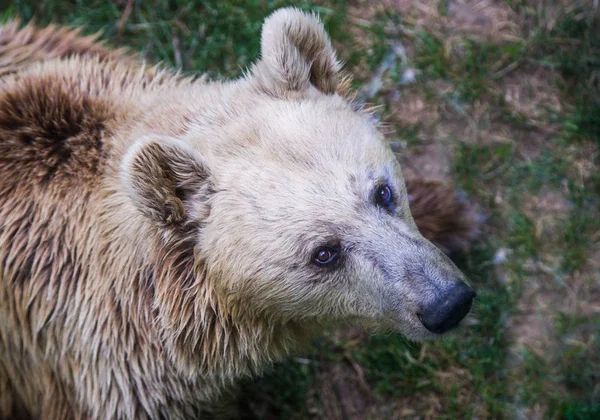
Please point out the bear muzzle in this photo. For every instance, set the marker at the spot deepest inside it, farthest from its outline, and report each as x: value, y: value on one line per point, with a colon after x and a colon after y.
x: 446, y: 312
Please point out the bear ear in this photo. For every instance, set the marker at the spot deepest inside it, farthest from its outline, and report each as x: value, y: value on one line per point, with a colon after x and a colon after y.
x: 296, y: 52
x: 160, y: 176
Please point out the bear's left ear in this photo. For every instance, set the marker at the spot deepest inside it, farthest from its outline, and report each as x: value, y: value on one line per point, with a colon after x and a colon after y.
x: 164, y: 178
x: 296, y: 52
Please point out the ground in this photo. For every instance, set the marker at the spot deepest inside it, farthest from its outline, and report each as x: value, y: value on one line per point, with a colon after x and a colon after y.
x: 501, y: 98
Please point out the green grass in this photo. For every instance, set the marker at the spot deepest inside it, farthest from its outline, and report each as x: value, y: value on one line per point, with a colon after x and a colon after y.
x: 478, y: 372
x: 430, y: 57
x: 572, y: 47
x: 571, y: 374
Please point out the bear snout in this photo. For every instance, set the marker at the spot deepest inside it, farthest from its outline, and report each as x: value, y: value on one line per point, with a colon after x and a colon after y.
x: 447, y: 311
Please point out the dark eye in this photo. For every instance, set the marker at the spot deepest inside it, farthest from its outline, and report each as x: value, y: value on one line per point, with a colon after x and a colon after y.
x: 325, y: 256
x: 383, y: 196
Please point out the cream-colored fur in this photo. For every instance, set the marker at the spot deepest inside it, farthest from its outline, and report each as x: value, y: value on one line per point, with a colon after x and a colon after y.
x: 159, y: 246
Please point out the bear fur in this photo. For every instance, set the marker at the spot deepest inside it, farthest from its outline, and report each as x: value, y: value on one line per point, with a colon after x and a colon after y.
x: 156, y: 231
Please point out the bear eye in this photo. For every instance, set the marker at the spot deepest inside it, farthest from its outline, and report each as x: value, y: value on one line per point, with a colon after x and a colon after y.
x: 383, y: 195
x: 325, y: 255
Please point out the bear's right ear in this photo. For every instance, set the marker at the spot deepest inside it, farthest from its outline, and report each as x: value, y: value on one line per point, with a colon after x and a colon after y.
x: 296, y: 53
x: 160, y: 175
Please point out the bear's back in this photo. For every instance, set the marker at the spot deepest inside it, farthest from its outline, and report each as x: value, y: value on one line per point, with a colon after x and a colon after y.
x: 58, y: 124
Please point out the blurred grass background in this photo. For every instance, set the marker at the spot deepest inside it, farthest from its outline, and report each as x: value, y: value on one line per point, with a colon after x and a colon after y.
x: 501, y: 98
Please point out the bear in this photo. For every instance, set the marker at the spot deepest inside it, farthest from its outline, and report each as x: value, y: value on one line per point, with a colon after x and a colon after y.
x: 163, y: 237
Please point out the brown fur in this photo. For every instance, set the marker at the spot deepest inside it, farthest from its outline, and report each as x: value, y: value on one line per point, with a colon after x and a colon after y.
x: 442, y: 216
x: 20, y: 47
x: 107, y: 309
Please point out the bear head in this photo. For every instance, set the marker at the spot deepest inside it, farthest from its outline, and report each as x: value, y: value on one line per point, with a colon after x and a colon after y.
x: 299, y: 213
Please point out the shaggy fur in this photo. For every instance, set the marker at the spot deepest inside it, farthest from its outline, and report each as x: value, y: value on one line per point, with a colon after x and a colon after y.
x: 442, y: 215
x: 150, y: 225
x: 20, y: 47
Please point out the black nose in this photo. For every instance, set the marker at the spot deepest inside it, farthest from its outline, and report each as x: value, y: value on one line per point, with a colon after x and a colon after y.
x: 447, y: 312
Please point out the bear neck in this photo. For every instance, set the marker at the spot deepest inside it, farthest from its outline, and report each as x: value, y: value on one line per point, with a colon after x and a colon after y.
x: 201, y: 333
x: 174, y: 306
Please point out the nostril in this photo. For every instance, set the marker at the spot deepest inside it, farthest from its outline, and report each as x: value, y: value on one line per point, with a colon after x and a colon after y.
x: 447, y: 312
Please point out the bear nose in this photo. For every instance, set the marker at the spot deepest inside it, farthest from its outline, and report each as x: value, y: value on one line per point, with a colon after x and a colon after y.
x: 445, y: 313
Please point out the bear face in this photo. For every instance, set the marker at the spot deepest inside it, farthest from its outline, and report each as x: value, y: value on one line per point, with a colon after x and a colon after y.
x: 299, y: 213
x: 322, y: 229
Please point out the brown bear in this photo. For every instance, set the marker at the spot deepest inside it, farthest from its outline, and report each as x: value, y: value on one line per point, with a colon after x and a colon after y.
x: 162, y: 237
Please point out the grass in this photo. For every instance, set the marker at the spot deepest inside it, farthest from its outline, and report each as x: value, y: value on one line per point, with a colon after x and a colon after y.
x: 510, y: 92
